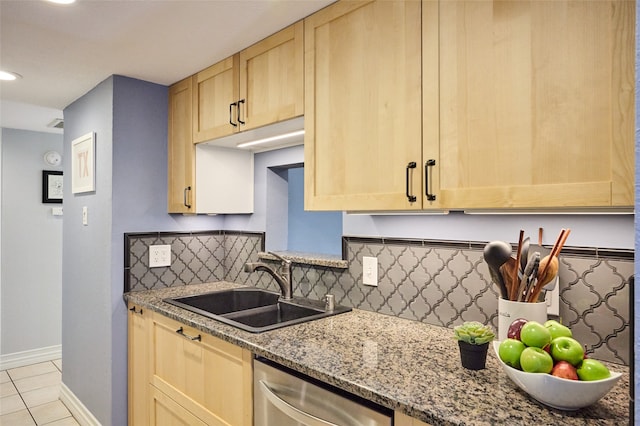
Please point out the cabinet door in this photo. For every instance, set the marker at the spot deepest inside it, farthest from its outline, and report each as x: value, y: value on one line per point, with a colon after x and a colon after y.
x: 536, y: 104
x: 181, y: 170
x: 271, y: 79
x: 138, y: 365
x: 215, y: 97
x: 209, y: 377
x: 166, y: 412
x: 363, y: 106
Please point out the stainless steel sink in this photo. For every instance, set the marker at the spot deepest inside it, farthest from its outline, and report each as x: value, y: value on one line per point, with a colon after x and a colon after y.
x: 255, y: 310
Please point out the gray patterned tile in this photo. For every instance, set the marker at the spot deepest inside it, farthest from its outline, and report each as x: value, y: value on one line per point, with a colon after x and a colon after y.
x: 440, y: 283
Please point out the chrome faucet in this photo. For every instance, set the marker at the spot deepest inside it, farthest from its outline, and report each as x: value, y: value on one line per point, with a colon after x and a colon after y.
x: 282, y: 275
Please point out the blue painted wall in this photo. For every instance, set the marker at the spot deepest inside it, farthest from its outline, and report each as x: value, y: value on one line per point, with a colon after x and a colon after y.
x: 31, y: 263
x: 311, y: 232
x: 129, y: 118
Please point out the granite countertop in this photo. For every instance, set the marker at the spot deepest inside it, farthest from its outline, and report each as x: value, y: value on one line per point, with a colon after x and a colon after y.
x: 401, y: 364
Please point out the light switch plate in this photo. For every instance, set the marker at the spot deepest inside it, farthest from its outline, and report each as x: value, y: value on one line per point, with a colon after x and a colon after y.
x: 159, y: 256
x: 370, y: 270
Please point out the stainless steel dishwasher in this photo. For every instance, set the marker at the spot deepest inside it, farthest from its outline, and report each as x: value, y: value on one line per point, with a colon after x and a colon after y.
x: 286, y: 398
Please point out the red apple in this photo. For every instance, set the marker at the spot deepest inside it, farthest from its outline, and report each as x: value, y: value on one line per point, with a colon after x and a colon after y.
x: 564, y: 370
x: 514, y: 329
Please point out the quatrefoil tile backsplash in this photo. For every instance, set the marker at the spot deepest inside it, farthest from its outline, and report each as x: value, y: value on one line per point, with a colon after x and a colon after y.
x: 442, y: 283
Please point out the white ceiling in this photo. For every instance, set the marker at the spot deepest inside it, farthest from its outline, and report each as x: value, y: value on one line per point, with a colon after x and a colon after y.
x: 62, y: 52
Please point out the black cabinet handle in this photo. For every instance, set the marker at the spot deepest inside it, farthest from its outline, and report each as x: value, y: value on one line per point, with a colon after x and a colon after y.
x: 181, y: 332
x: 231, y: 114
x: 187, y: 189
x: 430, y: 195
x: 411, y: 198
x: 135, y: 311
x: 241, y: 101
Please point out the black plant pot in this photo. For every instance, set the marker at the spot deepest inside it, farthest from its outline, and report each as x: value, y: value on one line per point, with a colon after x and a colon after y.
x: 473, y: 357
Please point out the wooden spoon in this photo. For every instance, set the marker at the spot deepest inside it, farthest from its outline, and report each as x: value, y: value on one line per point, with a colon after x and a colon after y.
x: 550, y: 267
x: 507, y: 270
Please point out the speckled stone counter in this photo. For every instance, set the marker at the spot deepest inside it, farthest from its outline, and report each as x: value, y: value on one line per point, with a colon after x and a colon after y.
x: 325, y: 260
x: 403, y: 365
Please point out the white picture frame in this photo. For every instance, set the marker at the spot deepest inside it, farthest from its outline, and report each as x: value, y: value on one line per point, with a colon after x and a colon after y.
x: 83, y: 176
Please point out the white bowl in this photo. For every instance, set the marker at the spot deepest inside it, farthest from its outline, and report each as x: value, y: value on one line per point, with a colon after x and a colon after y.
x: 563, y: 394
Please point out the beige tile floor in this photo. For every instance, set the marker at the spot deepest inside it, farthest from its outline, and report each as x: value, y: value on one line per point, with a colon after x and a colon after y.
x: 30, y: 396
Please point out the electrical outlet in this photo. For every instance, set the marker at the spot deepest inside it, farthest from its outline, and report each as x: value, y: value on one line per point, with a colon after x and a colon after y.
x: 159, y: 256
x: 370, y: 271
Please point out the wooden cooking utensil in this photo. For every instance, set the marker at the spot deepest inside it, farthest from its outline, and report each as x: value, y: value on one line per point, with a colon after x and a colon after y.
x: 550, y: 267
x: 507, y: 270
x: 542, y: 271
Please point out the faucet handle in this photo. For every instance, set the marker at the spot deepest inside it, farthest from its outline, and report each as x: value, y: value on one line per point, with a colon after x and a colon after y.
x: 330, y: 302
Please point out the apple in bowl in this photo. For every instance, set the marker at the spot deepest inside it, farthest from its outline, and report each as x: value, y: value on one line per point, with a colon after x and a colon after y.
x: 550, y: 365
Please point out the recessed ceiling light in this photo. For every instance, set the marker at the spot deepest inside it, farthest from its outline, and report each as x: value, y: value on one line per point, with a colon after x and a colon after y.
x: 9, y: 76
x: 62, y: 1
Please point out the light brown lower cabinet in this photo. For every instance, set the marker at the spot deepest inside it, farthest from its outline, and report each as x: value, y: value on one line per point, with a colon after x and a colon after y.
x: 401, y: 419
x: 191, y: 377
x: 138, y: 365
x: 166, y: 412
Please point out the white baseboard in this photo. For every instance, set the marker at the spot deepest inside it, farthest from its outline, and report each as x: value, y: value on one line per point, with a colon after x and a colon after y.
x: 34, y: 356
x: 77, y: 408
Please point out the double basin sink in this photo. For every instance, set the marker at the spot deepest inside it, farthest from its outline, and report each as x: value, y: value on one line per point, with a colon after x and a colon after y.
x: 255, y: 310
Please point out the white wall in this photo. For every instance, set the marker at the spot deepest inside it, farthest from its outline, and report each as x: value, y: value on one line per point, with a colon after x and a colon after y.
x: 31, y: 254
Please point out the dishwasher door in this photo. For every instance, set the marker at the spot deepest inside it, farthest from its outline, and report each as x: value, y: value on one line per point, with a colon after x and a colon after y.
x: 284, y: 398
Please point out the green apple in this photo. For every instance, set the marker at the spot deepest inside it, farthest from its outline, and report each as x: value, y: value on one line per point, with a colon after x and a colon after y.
x: 557, y: 330
x: 535, y: 334
x: 567, y: 349
x: 509, y: 352
x: 592, y: 369
x: 535, y: 360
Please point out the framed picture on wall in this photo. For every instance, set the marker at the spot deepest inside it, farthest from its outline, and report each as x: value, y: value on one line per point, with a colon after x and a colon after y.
x: 83, y: 161
x: 51, y: 186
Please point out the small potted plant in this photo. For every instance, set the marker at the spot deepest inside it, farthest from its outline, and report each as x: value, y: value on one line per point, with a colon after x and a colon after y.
x: 473, y: 339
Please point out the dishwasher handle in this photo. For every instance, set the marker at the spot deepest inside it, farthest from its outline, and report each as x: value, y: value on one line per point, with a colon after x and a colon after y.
x: 291, y: 411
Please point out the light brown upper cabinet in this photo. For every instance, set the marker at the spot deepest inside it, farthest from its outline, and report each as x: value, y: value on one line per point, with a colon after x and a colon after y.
x: 261, y: 85
x: 536, y: 104
x: 181, y: 167
x: 272, y: 79
x: 363, y: 106
x: 519, y: 104
x: 215, y: 95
